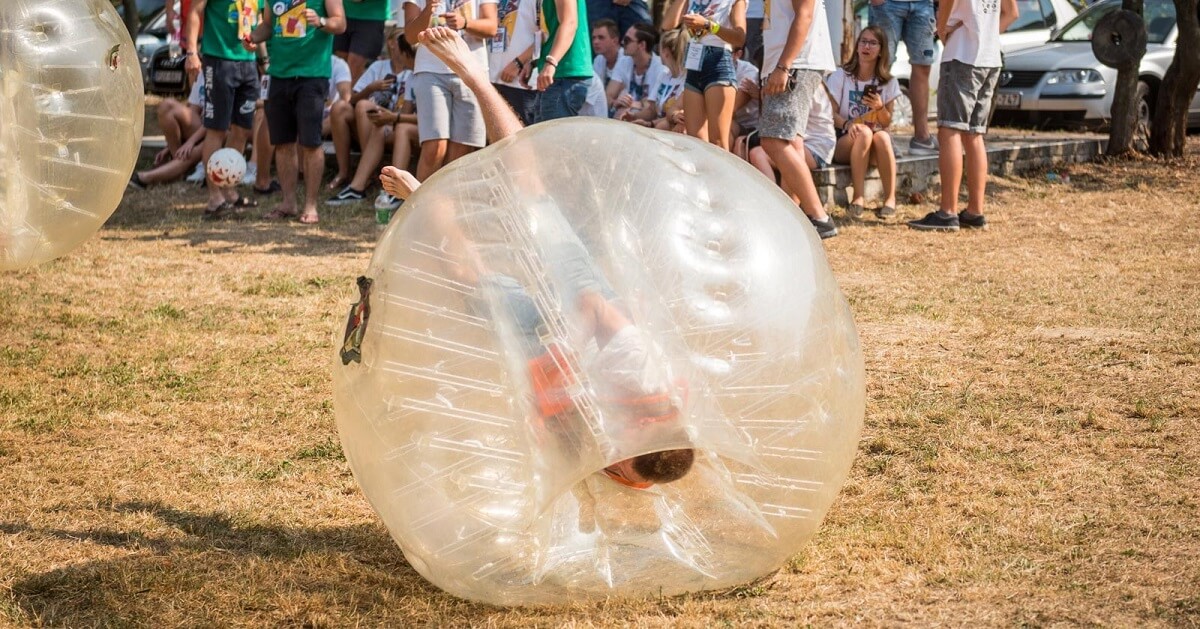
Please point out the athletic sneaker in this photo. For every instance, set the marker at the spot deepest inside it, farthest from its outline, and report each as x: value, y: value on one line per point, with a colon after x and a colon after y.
x: 972, y: 221
x: 928, y: 146
x: 251, y: 174
x: 347, y: 196
x: 386, y: 201
x: 826, y: 228
x: 938, y: 221
x: 197, y: 175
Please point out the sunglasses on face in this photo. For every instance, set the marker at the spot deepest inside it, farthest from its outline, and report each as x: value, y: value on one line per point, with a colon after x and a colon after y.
x: 868, y: 43
x: 626, y: 40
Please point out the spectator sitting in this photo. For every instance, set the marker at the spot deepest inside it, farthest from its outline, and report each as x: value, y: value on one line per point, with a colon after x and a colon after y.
x: 746, y: 103
x: 177, y: 121
x: 606, y: 44
x: 865, y: 92
x: 381, y: 87
x: 630, y: 82
x: 816, y: 145
x: 665, y: 95
x: 395, y: 126
x: 338, y: 121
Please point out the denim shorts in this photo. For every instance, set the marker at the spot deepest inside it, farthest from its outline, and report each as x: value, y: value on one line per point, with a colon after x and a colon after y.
x: 716, y: 68
x: 910, y: 21
x: 564, y: 98
x: 964, y: 97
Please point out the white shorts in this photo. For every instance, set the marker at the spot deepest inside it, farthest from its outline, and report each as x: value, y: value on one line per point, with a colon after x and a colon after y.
x: 447, y: 110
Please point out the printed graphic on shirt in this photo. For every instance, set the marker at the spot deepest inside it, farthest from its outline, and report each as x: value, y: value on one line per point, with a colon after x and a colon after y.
x: 506, y: 11
x: 244, y: 13
x: 289, y: 18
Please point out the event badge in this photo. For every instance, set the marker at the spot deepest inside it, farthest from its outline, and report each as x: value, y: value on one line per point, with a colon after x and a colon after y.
x: 695, y: 56
x: 499, y: 40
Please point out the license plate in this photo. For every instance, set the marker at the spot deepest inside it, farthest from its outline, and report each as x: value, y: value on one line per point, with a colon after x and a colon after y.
x: 168, y: 76
x: 1008, y: 100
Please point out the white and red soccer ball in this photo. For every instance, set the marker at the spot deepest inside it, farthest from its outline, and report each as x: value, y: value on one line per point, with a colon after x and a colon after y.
x: 226, y: 168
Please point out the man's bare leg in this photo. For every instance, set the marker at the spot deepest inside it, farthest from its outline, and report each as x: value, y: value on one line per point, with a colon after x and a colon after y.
x: 447, y: 45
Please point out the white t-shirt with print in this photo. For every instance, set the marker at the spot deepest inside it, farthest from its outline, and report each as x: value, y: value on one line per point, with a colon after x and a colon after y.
x: 848, y: 92
x: 339, y: 74
x: 819, y: 136
x: 817, y: 53
x: 747, y: 116
x: 716, y: 11
x: 666, y: 90
x: 518, y: 23
x: 378, y: 71
x: 977, y: 40
x: 426, y: 61
x: 637, y: 85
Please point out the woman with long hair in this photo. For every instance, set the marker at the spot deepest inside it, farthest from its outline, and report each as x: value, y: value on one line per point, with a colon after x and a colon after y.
x: 864, y: 92
x: 714, y: 28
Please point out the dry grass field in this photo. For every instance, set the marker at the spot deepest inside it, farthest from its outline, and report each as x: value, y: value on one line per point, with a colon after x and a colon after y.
x: 1031, y: 454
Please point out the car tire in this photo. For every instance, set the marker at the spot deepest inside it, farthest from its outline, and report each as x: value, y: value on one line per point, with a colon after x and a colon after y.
x: 1141, y: 132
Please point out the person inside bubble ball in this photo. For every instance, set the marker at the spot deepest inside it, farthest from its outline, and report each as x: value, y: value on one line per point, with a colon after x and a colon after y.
x: 623, y: 370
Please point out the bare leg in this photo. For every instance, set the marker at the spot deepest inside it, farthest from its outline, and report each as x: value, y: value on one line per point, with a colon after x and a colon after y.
x: 977, y: 171
x: 372, y: 155
x: 918, y: 95
x: 213, y: 141
x: 950, y: 167
x: 362, y: 122
x: 859, y: 160
x: 404, y: 137
x: 433, y: 155
x: 285, y: 162
x: 314, y: 166
x: 341, y: 120
x: 448, y: 46
x: 169, y: 171
x: 885, y: 161
x: 759, y: 160
x: 457, y: 150
x: 718, y: 103
x: 796, y: 175
x: 358, y: 65
x: 262, y: 141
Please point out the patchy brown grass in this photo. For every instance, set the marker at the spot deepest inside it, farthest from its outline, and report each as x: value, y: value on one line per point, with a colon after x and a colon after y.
x: 1030, y: 454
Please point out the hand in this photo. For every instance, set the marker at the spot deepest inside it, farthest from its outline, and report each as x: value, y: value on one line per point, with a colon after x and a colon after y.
x: 162, y: 157
x: 249, y: 44
x: 382, y: 85
x: 191, y: 65
x: 624, y: 101
x: 676, y: 117
x: 945, y: 30
x: 751, y: 88
x: 630, y: 114
x: 312, y: 18
x: 777, y: 82
x: 185, y: 151
x: 546, y: 77
x: 454, y: 20
x: 873, y: 101
x: 381, y: 118
x: 697, y: 25
x: 509, y: 72
x: 526, y: 73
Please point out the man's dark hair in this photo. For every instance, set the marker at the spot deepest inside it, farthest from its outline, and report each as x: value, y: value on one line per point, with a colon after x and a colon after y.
x: 666, y: 466
x: 647, y: 34
x: 606, y: 23
x: 405, y: 47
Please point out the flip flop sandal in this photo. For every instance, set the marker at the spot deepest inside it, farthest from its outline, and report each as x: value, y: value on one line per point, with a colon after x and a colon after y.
x: 886, y: 211
x: 279, y: 215
x: 218, y: 213
x: 244, y: 203
x: 310, y: 218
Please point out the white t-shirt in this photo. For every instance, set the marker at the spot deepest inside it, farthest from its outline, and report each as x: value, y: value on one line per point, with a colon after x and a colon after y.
x: 977, y: 41
x: 518, y: 22
x: 747, y: 116
x: 340, y: 74
x: 716, y: 11
x: 637, y: 85
x: 600, y: 66
x: 754, y: 10
x: 377, y: 72
x: 666, y: 90
x: 426, y: 61
x: 817, y: 53
x: 848, y: 92
x: 819, y: 136
x: 196, y: 97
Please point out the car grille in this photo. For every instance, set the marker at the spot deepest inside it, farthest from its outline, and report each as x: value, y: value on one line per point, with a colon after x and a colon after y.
x: 1020, y: 78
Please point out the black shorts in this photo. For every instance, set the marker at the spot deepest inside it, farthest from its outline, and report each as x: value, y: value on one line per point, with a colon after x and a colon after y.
x: 230, y: 93
x: 361, y: 37
x: 294, y: 110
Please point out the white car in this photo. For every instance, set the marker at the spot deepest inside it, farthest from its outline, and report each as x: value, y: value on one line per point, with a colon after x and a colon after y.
x: 1036, y: 22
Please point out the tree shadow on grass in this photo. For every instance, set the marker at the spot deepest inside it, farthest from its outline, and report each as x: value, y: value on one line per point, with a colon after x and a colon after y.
x: 210, y: 570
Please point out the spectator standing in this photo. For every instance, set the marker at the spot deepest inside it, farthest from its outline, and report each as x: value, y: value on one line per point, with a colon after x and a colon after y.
x: 565, y: 59
x: 970, y: 69
x: 362, y: 41
x: 299, y: 43
x: 912, y: 21
x: 510, y: 55
x: 449, y: 118
x: 796, y: 54
x: 865, y: 93
x: 817, y: 144
x: 625, y: 13
x: 710, y: 92
x: 230, y: 85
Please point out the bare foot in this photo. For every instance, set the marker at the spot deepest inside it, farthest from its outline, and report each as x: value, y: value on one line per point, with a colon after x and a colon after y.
x: 447, y: 45
x: 398, y: 183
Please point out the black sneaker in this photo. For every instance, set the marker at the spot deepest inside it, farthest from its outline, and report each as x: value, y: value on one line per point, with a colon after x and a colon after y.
x: 936, y: 222
x: 973, y: 221
x: 136, y: 182
x: 826, y: 228
x: 346, y: 196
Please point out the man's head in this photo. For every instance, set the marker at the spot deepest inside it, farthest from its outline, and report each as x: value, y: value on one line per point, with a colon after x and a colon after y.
x: 397, y: 46
x: 646, y: 470
x: 640, y: 40
x: 605, y: 37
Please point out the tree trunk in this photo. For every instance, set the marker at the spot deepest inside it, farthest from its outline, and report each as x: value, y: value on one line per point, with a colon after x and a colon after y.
x: 133, y: 21
x: 1168, y: 133
x: 1124, y: 107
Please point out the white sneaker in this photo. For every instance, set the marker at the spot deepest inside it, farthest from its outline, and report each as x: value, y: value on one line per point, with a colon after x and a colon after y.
x: 386, y: 201
x: 928, y: 146
x: 197, y: 175
x: 251, y: 174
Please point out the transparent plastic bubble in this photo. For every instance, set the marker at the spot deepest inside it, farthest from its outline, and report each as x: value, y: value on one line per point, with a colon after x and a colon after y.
x: 225, y: 168
x: 71, y: 115
x: 573, y: 297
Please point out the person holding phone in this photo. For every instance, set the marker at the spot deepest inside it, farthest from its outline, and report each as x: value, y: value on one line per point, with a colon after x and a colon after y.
x: 865, y: 92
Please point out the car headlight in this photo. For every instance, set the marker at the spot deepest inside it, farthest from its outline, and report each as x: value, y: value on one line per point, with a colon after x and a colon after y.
x: 1076, y: 77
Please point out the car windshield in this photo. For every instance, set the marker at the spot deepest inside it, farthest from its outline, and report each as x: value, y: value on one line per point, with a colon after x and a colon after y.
x: 1158, y: 14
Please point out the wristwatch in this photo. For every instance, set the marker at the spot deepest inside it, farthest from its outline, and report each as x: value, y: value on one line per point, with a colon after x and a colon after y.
x: 321, y: 22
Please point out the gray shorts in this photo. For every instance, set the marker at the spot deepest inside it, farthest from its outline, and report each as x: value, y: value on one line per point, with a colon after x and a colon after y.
x: 447, y: 110
x: 785, y: 115
x: 964, y: 97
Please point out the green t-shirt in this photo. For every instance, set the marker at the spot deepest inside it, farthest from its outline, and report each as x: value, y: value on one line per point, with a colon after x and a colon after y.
x: 577, y: 63
x: 296, y: 49
x: 222, y: 21
x: 375, y: 10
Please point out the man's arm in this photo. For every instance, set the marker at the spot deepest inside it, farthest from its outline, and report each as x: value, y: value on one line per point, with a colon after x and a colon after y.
x: 945, y: 8
x: 265, y: 29
x: 335, y: 17
x: 486, y: 24
x: 447, y: 45
x: 191, y: 36
x: 797, y: 35
x: 417, y: 20
x: 1008, y: 14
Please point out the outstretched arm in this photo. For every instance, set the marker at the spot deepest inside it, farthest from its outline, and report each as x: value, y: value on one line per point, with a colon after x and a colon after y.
x: 448, y: 46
